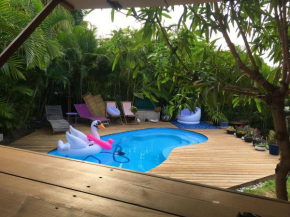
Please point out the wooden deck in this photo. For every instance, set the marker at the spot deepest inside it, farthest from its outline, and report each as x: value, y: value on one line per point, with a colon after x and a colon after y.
x: 223, y: 161
x: 35, y: 184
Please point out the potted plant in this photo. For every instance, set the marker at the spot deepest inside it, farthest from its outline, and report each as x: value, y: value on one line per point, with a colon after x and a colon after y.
x: 231, y: 130
x: 134, y: 110
x: 261, y: 146
x: 273, y: 147
x: 217, y: 117
x: 157, y: 109
x: 240, y: 131
x: 224, y: 122
x: 166, y: 114
x: 257, y: 138
x: 249, y: 135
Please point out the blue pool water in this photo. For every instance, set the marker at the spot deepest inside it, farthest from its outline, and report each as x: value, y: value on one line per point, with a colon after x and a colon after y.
x: 142, y: 150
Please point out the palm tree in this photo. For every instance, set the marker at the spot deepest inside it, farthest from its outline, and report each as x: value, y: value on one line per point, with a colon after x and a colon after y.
x: 17, y: 85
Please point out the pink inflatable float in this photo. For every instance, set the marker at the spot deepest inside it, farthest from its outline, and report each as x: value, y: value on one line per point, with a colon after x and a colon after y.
x: 102, y: 143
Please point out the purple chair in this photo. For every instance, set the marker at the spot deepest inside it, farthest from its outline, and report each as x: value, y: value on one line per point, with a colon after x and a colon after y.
x: 188, y: 117
x: 84, y: 112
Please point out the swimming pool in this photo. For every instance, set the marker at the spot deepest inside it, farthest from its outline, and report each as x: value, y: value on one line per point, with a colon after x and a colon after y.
x: 142, y: 150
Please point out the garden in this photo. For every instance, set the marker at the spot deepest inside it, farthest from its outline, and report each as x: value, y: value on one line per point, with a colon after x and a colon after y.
x: 174, y: 67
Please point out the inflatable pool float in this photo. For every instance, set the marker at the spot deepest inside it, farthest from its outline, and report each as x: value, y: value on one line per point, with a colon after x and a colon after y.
x: 81, y: 145
x: 188, y: 117
x: 154, y: 120
x: 75, y: 147
x: 102, y: 143
x: 113, y: 111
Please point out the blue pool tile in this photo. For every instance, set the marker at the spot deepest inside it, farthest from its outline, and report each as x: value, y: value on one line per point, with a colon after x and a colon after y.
x: 201, y: 125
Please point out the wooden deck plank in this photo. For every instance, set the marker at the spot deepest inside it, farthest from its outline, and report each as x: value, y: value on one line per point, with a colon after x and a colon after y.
x: 144, y: 190
x: 18, y: 194
x: 231, y: 160
x: 16, y: 205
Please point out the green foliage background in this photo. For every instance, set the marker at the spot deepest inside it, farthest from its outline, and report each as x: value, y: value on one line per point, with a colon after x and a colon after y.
x: 64, y: 59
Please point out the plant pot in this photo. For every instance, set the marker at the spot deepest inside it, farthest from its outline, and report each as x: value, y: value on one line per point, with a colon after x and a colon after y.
x: 165, y: 118
x: 260, y: 148
x: 239, y: 135
x: 248, y: 139
x: 157, y: 109
x: 231, y: 131
x: 256, y: 141
x: 224, y: 124
x: 214, y: 123
x: 273, y: 149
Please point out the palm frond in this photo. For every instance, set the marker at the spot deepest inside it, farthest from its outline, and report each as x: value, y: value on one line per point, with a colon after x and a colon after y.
x: 21, y: 89
x: 12, y: 68
x: 6, y: 110
x: 34, y: 49
x: 59, y: 20
x: 58, y: 77
x: 4, y: 7
x: 52, y: 47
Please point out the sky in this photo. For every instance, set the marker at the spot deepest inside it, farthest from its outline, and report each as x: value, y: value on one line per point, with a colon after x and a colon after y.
x: 101, y: 18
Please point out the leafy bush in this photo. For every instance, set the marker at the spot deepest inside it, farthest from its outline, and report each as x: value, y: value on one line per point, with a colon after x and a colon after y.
x: 166, y: 110
x: 133, y: 109
x: 216, y: 115
x: 271, y: 137
x: 257, y: 134
x: 249, y: 132
x: 263, y: 145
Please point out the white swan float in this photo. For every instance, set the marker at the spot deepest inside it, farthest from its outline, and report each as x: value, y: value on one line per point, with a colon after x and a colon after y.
x: 80, y: 145
x: 94, y: 126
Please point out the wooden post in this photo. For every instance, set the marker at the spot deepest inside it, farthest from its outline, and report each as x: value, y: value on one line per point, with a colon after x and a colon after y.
x: 25, y: 33
x: 69, y: 101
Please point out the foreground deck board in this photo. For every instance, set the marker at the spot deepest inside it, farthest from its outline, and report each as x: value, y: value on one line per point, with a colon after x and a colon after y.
x: 40, y: 199
x: 223, y: 161
x: 31, y: 181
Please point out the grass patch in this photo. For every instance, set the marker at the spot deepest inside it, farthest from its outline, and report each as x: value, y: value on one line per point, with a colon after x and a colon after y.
x: 267, y: 189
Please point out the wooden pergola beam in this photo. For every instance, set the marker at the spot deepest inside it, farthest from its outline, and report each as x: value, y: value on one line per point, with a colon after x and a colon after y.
x: 29, y: 29
x: 67, y: 5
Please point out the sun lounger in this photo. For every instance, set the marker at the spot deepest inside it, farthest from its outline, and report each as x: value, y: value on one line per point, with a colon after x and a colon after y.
x: 55, y: 117
x: 129, y: 117
x: 84, y: 112
x: 113, y: 116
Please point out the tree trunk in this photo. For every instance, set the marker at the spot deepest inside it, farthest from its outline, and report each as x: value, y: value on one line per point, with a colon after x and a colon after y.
x: 282, y: 136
